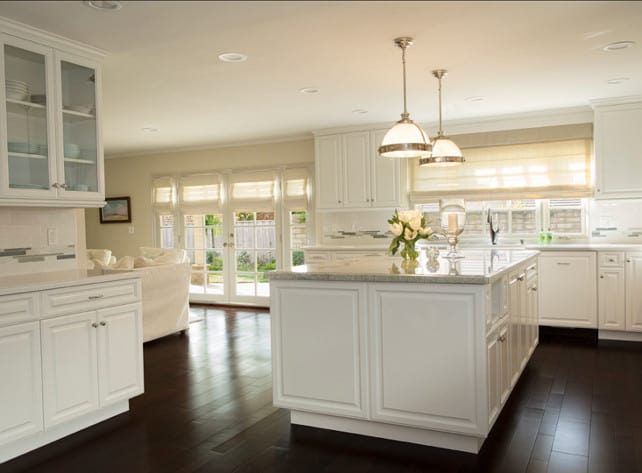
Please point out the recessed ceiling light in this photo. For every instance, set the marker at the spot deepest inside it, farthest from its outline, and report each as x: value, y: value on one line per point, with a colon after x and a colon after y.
x: 617, y: 80
x: 618, y: 45
x: 359, y: 111
x: 232, y: 57
x: 309, y: 90
x: 474, y: 98
x: 149, y: 129
x: 104, y: 5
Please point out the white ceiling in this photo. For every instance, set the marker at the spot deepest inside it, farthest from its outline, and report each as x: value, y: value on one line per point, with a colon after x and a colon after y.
x: 162, y: 69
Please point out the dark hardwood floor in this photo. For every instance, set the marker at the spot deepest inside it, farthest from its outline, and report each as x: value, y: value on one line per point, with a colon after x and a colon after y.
x: 207, y: 407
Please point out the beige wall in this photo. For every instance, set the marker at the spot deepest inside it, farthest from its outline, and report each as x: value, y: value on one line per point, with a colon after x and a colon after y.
x: 133, y: 177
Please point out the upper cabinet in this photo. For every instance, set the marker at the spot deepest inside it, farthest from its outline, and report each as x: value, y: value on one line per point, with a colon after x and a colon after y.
x: 50, y: 143
x: 351, y: 174
x: 618, y: 150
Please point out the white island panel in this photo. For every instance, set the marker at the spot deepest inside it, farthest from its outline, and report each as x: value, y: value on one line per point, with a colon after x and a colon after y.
x: 320, y: 355
x: 424, y: 356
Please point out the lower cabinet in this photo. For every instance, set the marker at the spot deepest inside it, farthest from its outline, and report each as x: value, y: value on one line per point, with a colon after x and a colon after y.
x: 634, y: 292
x: 20, y: 381
x: 499, y: 369
x: 90, y: 360
x: 620, y: 292
x: 58, y: 367
x: 567, y: 289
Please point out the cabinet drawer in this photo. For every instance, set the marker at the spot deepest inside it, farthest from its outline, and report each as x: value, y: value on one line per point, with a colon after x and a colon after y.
x: 611, y: 259
x: 18, y: 308
x: 353, y: 255
x: 89, y: 297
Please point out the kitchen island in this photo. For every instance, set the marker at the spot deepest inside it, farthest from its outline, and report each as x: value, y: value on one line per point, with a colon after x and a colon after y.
x: 427, y: 355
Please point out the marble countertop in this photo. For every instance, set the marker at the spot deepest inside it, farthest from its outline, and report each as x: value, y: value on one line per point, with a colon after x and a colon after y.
x: 472, y: 246
x: 56, y: 279
x: 478, y: 267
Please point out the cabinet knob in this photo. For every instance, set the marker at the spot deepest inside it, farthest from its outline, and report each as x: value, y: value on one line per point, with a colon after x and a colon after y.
x: 54, y: 185
x: 601, y: 276
x: 103, y: 323
x: 95, y: 325
x: 62, y: 186
x: 534, y: 288
x: 628, y: 260
x: 611, y: 260
x: 338, y: 201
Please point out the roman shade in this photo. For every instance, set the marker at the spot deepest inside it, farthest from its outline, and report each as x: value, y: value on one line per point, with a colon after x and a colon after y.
x: 200, y: 193
x: 543, y: 162
x: 295, y: 190
x: 163, y: 196
x: 252, y: 189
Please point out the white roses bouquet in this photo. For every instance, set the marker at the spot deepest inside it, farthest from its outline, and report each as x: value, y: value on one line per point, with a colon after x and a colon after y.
x: 407, y: 226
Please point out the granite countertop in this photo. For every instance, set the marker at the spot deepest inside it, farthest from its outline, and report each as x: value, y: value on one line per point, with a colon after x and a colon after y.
x: 478, y: 267
x: 56, y: 279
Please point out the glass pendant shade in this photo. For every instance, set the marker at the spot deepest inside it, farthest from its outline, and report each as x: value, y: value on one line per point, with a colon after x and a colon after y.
x: 405, y: 139
x: 444, y: 151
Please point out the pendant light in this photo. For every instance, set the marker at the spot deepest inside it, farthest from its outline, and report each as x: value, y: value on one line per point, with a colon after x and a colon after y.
x: 405, y: 139
x: 444, y: 151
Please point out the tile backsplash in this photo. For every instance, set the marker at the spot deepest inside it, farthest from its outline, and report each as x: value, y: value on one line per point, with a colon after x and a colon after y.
x: 36, y: 240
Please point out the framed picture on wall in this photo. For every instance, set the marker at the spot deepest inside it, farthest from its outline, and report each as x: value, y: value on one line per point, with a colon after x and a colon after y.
x: 116, y: 210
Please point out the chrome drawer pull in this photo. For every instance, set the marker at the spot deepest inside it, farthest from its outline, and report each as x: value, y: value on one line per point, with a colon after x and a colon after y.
x: 563, y: 264
x: 96, y: 297
x: 95, y: 325
x: 103, y: 323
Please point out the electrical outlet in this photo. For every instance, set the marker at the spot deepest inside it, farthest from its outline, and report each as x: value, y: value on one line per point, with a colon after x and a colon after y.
x: 131, y: 229
x: 52, y: 236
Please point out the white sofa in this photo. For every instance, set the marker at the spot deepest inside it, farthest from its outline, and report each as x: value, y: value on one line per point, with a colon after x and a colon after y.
x: 165, y: 287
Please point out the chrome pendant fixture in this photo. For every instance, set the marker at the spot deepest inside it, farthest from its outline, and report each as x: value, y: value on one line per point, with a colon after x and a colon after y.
x: 444, y: 150
x: 405, y: 139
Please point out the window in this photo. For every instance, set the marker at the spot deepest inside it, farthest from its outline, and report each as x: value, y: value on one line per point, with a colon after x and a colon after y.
x: 519, y: 218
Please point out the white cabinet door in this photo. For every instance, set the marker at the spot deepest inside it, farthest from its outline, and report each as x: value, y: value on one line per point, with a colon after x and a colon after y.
x: 634, y: 292
x: 20, y: 381
x: 618, y: 150
x: 493, y: 355
x: 386, y: 176
x: 356, y: 170
x: 328, y: 172
x: 514, y: 328
x: 69, y: 357
x: 319, y: 342
x: 120, y: 353
x: 611, y: 299
x: 410, y: 386
x: 567, y: 289
x: 28, y: 150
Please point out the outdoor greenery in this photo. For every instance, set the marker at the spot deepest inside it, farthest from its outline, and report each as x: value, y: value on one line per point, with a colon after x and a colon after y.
x: 297, y: 258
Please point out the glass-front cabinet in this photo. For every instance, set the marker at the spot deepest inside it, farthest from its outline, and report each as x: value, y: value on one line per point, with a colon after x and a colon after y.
x: 50, y: 143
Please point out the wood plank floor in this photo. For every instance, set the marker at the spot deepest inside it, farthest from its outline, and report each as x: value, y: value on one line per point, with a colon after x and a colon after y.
x: 208, y: 408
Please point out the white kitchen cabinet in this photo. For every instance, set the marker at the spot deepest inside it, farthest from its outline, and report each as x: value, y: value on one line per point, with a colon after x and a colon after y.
x: 567, y: 289
x: 70, y: 367
x: 20, y: 375
x: 634, y: 292
x: 516, y: 304
x: 611, y: 298
x: 351, y: 174
x: 618, y: 150
x: 50, y: 116
x: 319, y: 337
x: 70, y: 357
x: 499, y: 370
x: 90, y: 360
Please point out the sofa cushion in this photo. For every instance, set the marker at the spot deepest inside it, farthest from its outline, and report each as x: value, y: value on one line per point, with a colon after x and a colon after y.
x: 102, y: 256
x: 164, y: 255
x: 142, y: 262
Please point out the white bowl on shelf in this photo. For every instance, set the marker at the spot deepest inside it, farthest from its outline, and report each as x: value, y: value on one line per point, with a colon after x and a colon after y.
x: 80, y: 108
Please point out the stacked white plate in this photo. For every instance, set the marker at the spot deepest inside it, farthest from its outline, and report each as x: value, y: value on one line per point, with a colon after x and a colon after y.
x: 39, y: 98
x: 72, y: 150
x: 17, y: 90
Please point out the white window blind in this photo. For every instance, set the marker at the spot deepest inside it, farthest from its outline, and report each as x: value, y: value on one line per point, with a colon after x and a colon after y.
x: 163, y: 193
x: 255, y: 189
x: 295, y: 188
x: 508, y: 166
x: 200, y: 192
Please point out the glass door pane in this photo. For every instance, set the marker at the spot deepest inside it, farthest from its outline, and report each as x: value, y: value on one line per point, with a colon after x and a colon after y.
x: 204, y: 243
x: 27, y: 131
x: 79, y: 127
x: 255, y: 252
